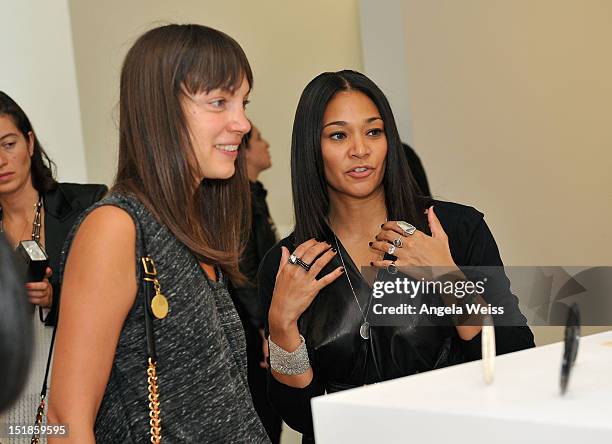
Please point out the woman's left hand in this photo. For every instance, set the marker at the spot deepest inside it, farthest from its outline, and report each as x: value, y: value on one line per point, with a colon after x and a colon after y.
x: 421, y: 250
x: 41, y: 293
x: 417, y: 249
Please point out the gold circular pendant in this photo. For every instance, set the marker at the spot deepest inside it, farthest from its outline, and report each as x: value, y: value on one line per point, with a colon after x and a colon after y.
x: 159, y: 306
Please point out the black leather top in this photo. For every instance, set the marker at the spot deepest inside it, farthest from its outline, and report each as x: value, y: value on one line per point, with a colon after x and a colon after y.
x: 342, y: 359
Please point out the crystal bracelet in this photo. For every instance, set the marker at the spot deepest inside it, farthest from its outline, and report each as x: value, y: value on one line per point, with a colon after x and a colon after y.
x: 289, y: 363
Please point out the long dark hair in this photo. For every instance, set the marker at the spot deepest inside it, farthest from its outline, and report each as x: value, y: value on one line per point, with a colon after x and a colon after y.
x: 310, y: 197
x: 43, y: 168
x: 156, y: 157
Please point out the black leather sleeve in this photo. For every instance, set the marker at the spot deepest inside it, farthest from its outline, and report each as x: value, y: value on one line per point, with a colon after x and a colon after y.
x: 481, y: 250
x: 292, y: 404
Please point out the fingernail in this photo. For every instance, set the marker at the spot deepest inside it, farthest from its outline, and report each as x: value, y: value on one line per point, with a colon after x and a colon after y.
x: 334, y: 250
x: 341, y: 269
x: 370, y: 244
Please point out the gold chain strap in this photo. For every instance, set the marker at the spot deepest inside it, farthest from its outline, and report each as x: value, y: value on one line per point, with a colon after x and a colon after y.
x: 40, y: 412
x: 154, y: 413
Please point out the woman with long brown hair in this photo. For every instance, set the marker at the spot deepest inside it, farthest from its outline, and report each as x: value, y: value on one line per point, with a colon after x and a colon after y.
x: 180, y: 199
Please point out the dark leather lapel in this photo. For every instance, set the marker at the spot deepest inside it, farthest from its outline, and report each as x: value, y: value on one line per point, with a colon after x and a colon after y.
x: 58, y: 209
x: 57, y: 204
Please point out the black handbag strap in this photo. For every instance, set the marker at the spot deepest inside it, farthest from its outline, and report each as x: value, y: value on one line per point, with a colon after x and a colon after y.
x: 148, y: 294
x: 40, y: 411
x: 149, y: 274
x: 149, y: 286
x: 43, y: 391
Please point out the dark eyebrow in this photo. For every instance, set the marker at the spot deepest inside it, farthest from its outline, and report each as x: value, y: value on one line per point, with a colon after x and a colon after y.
x: 9, y: 135
x: 337, y: 122
x: 343, y: 123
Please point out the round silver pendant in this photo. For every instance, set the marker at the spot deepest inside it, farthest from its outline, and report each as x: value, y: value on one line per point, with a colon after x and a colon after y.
x: 364, y: 330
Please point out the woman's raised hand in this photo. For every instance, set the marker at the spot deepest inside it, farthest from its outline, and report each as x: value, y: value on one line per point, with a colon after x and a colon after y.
x: 296, y: 287
x: 417, y: 249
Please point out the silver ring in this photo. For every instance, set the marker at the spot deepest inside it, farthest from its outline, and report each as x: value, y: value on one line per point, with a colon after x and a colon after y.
x: 392, y: 268
x: 391, y: 249
x: 303, y: 264
x: 398, y: 242
x: 294, y: 260
x: 407, y: 228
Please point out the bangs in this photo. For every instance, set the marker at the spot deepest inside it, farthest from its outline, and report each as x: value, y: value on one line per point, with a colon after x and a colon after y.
x: 209, y: 64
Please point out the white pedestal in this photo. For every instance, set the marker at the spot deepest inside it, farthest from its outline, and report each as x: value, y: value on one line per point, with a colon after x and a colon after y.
x: 453, y: 405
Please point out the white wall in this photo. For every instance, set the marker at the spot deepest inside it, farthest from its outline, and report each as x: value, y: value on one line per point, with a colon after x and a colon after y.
x: 509, y: 110
x: 383, y: 43
x: 38, y: 72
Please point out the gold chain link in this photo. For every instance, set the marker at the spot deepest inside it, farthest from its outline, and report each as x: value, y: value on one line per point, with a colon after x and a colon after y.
x: 39, y: 417
x: 154, y: 412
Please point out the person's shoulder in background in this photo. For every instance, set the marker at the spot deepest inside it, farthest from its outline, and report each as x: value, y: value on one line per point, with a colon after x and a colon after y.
x: 454, y: 214
x: 417, y: 170
x: 470, y: 239
x: 85, y: 194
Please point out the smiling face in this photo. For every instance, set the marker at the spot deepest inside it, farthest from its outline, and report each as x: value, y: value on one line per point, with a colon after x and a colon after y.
x: 15, y: 156
x: 353, y: 145
x: 217, y: 122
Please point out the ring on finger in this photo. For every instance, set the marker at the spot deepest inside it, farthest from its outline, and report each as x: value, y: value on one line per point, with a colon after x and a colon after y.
x: 303, y: 264
x: 294, y: 260
x: 406, y: 227
x: 398, y: 242
x: 392, y: 268
x: 391, y: 249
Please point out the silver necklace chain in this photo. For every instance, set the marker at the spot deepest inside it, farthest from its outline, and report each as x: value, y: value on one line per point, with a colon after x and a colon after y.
x: 364, y: 329
x: 347, y: 276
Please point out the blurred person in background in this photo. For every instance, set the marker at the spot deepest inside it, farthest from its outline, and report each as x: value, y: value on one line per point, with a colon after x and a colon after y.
x: 262, y: 237
x: 34, y: 206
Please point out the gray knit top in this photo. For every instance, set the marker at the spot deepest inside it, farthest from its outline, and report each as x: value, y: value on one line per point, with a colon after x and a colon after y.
x: 200, y: 345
